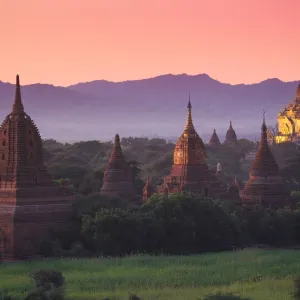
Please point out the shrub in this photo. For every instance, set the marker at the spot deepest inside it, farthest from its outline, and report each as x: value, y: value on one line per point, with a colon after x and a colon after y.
x: 297, y: 289
x: 220, y: 296
x: 45, y: 278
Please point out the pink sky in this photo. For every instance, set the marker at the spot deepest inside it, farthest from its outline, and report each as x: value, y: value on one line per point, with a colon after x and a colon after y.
x: 63, y: 42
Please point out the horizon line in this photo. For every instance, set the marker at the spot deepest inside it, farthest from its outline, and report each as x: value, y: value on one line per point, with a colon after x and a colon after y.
x: 153, y: 77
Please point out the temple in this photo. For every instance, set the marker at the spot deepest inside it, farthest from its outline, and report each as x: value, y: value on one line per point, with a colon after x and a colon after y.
x: 289, y: 122
x: 230, y: 138
x: 232, y: 192
x: 265, y: 187
x: 30, y: 203
x: 148, y: 190
x: 117, y: 179
x: 214, y: 141
x: 190, y: 171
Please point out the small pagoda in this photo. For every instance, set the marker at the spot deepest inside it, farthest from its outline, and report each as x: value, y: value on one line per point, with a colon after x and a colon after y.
x: 265, y: 187
x: 117, y: 179
x: 148, y: 190
x: 230, y: 138
x: 31, y: 204
x: 190, y: 172
x: 214, y: 141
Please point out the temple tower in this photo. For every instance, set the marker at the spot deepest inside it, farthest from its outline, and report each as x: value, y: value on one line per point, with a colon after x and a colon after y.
x: 288, y: 121
x: 232, y: 192
x: 117, y: 180
x: 230, y: 138
x: 148, y: 190
x: 265, y: 186
x: 190, y: 171
x: 214, y: 141
x: 30, y: 203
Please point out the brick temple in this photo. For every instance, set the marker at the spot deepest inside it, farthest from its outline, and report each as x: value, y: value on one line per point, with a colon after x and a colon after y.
x: 214, y: 141
x: 265, y: 187
x: 190, y: 172
x: 30, y: 202
x: 117, y: 179
x: 230, y: 138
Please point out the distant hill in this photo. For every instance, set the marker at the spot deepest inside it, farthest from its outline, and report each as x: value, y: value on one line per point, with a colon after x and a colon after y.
x: 155, y: 106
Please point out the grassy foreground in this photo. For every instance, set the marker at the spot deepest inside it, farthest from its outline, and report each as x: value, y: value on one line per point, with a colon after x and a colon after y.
x: 257, y: 274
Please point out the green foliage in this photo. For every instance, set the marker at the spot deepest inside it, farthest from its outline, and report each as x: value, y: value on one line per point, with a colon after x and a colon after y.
x: 220, y: 296
x: 181, y: 224
x: 49, y: 285
x: 45, y: 278
x: 297, y: 288
x: 252, y: 273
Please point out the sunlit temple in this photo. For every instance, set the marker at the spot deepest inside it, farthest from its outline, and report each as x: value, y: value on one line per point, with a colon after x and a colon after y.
x: 190, y: 171
x: 289, y: 121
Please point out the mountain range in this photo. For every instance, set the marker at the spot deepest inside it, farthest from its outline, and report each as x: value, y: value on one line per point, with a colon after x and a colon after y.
x: 149, y: 107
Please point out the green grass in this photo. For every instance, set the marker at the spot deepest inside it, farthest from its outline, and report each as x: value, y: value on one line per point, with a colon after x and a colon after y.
x: 257, y: 274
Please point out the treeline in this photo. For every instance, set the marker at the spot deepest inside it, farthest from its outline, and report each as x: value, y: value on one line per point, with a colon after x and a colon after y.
x: 83, y: 163
x: 181, y: 224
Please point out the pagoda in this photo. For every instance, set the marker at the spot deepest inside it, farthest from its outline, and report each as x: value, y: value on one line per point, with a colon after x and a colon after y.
x: 31, y: 204
x: 288, y: 121
x: 232, y: 192
x: 214, y: 141
x: 117, y: 179
x: 190, y: 172
x: 148, y: 190
x: 230, y: 138
x: 265, y: 187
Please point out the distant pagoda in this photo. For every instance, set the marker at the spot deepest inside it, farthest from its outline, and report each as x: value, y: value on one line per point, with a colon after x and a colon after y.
x: 117, y: 179
x: 148, y: 190
x: 214, y: 141
x: 230, y: 138
x: 265, y: 187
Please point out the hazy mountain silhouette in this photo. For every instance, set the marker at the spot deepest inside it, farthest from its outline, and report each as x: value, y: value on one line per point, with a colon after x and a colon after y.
x: 155, y: 106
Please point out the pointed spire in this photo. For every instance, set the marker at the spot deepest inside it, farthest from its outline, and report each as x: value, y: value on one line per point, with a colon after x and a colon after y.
x: 264, y: 162
x: 264, y: 127
x: 189, y: 126
x: 214, y: 141
x: 18, y: 107
x: 230, y: 137
x: 147, y: 190
x: 298, y: 92
x: 117, y: 154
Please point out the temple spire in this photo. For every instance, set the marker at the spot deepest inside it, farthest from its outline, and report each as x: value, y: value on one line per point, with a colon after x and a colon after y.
x: 18, y: 107
x: 189, y: 126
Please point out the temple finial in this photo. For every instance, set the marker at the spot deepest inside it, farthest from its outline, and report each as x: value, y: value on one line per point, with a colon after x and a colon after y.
x: 117, y: 139
x: 18, y: 107
x: 264, y: 127
x: 189, y: 103
x: 230, y: 124
x: 189, y: 122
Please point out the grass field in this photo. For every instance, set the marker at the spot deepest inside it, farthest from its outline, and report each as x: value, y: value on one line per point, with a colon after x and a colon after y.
x: 257, y: 274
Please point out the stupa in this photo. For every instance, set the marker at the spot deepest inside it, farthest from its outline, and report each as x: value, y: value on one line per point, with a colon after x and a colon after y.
x: 265, y: 187
x: 190, y: 172
x: 214, y: 141
x: 31, y: 204
x: 117, y: 179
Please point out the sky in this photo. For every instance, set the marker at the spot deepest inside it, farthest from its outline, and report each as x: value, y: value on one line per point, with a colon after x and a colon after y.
x: 63, y: 42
